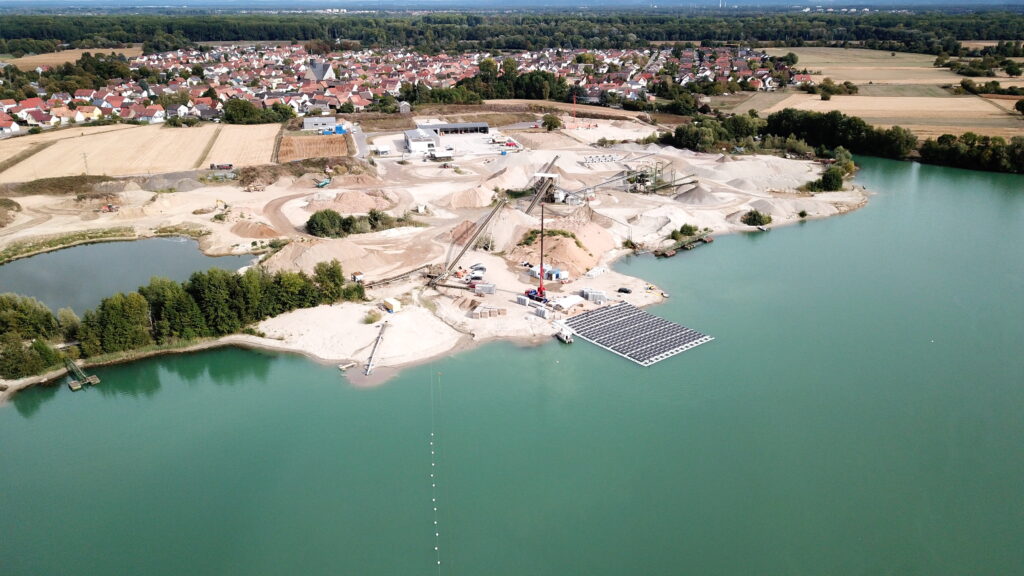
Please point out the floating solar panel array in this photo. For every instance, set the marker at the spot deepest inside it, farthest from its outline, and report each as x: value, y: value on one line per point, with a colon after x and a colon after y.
x: 635, y: 334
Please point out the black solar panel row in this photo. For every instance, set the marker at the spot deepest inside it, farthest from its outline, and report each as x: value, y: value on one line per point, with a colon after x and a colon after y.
x: 635, y: 334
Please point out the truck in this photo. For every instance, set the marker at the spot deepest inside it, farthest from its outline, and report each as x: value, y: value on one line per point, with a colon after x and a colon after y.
x: 536, y: 296
x: 222, y: 166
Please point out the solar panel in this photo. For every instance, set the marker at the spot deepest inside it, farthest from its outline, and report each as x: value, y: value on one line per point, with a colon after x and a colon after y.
x: 635, y: 334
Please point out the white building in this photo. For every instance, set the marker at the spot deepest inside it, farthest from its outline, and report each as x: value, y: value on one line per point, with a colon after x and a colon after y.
x: 420, y: 141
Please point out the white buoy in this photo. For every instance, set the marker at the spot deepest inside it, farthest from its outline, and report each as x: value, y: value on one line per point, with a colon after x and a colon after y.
x: 435, y: 547
x: 435, y: 509
x: 435, y: 522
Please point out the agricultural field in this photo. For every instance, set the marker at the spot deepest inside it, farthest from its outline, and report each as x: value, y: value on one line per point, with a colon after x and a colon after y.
x: 242, y: 145
x: 862, y: 66
x: 312, y: 146
x: 925, y: 116
x: 58, y: 58
x: 138, y: 150
x: 10, y: 147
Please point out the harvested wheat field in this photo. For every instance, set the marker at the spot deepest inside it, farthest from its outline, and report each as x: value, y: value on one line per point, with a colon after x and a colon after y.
x: 302, y: 147
x: 862, y: 66
x: 925, y: 116
x: 9, y: 147
x: 140, y: 150
x: 243, y: 145
x: 58, y: 58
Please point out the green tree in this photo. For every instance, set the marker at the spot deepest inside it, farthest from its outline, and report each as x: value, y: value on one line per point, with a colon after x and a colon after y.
x: 551, y: 122
x: 174, y: 312
x: 1019, y: 106
x: 330, y: 280
x: 755, y: 218
x: 214, y: 292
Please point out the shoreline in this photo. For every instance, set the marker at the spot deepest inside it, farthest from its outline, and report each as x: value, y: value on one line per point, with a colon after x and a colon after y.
x: 465, y: 341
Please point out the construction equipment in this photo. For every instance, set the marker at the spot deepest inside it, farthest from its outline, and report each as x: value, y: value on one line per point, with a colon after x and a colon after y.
x: 469, y: 243
x: 543, y: 184
x: 109, y: 208
x: 323, y: 183
x: 537, y: 294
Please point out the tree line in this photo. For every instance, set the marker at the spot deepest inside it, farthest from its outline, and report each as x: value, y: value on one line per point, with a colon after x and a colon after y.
x: 971, y: 151
x: 164, y: 312
x: 926, y: 32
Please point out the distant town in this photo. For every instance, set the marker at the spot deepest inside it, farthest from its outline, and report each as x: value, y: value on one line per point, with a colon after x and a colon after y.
x: 353, y: 81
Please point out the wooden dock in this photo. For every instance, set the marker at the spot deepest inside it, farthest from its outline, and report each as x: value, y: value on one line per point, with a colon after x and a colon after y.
x: 79, y: 378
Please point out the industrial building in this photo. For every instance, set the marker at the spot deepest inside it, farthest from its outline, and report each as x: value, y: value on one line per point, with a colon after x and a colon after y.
x: 420, y: 141
x: 456, y: 128
x: 319, y: 123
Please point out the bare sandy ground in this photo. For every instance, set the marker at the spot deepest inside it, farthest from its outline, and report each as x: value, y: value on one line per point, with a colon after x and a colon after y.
x: 714, y: 191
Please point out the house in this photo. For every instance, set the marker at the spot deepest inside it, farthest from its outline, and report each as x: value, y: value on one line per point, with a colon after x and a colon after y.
x: 9, y: 127
x: 153, y: 114
x: 404, y: 107
x: 39, y: 118
x: 319, y: 123
x: 90, y: 113
x: 801, y: 80
x: 319, y: 71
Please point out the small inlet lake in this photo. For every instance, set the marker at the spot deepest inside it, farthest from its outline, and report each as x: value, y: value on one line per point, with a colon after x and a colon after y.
x: 81, y: 276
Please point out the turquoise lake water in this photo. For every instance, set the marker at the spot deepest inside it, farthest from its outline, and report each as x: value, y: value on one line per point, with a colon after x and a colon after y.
x: 858, y: 413
x: 80, y: 277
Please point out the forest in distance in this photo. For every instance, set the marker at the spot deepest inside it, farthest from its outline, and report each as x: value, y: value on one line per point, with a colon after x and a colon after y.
x: 925, y: 32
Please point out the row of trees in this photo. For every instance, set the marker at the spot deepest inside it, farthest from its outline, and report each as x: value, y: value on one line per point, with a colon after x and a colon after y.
x: 211, y: 303
x: 927, y: 32
x: 975, y: 152
x: 328, y: 223
x: 238, y: 111
x: 833, y: 129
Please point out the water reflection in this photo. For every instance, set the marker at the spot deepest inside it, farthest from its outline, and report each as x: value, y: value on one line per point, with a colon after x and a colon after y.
x: 144, y: 378
x: 27, y: 402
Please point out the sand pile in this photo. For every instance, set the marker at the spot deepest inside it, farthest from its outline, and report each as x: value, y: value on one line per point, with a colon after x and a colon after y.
x: 249, y: 229
x: 699, y: 195
x: 508, y: 227
x: 461, y: 233
x: 350, y: 202
x: 559, y: 252
x: 305, y: 256
x: 470, y: 198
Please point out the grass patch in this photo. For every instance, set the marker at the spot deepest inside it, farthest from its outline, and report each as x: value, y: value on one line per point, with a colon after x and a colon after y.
x: 47, y: 243
x: 372, y: 317
x: 77, y: 185
x: 530, y: 237
x: 7, y: 209
x: 187, y: 230
x: 209, y: 146
x: 379, y: 122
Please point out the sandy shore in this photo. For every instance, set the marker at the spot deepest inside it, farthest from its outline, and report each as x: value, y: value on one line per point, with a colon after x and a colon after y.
x: 711, y: 191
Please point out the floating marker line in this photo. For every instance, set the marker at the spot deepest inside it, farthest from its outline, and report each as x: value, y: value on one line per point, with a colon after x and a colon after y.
x: 434, y: 471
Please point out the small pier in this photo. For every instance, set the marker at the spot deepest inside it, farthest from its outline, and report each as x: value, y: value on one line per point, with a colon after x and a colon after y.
x: 376, y: 345
x: 635, y: 334
x: 683, y: 245
x: 78, y: 377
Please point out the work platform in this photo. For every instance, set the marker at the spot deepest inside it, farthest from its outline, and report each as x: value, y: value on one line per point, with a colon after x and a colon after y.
x: 635, y: 334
